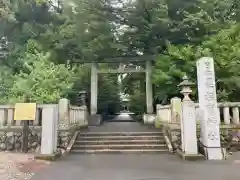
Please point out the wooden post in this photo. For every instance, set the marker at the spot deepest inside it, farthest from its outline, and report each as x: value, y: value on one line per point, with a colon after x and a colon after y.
x: 25, y: 136
x: 25, y: 112
x: 25, y: 131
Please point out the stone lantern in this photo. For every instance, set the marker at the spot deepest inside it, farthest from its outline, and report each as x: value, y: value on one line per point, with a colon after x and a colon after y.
x: 3, y: 47
x: 81, y: 98
x: 186, y: 88
x: 188, y: 122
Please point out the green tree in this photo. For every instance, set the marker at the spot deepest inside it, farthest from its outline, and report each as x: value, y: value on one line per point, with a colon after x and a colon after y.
x: 151, y: 24
x: 174, y: 30
x: 178, y: 60
x: 40, y: 79
x: 45, y: 34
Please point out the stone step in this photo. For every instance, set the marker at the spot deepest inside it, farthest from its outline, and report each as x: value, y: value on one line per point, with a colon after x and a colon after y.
x: 109, y: 139
x: 120, y: 146
x: 99, y: 138
x: 82, y: 134
x: 121, y: 151
x: 121, y: 141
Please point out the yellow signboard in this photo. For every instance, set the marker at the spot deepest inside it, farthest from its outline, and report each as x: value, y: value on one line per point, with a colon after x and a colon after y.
x: 25, y: 111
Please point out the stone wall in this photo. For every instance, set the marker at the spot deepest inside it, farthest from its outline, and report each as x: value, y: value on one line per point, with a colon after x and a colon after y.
x: 64, y: 137
x: 11, y: 139
x: 174, y: 135
x: 68, y: 118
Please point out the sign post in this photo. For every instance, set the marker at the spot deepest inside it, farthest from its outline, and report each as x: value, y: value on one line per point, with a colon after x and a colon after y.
x: 25, y: 112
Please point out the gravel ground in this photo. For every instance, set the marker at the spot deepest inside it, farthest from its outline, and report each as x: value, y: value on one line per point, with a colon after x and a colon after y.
x: 16, y: 166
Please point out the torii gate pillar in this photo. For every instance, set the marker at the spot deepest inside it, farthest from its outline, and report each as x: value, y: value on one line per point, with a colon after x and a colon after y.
x: 95, y: 119
x: 149, y: 117
x: 94, y: 88
x: 149, y: 91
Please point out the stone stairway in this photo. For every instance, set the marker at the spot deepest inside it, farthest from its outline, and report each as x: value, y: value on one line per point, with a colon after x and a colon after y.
x: 101, y: 140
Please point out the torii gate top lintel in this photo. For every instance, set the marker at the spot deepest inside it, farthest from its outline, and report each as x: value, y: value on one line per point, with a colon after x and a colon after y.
x: 127, y: 64
x: 122, y: 59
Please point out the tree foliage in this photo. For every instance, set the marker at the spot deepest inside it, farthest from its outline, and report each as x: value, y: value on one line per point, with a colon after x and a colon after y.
x: 181, y: 59
x: 40, y: 79
x: 179, y: 32
x: 48, y: 42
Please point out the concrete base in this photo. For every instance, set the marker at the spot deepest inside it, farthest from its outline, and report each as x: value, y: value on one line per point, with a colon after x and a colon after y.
x: 81, y: 128
x: 48, y: 157
x: 149, y: 118
x: 205, y: 151
x: 95, y: 120
x: 215, y: 153
x: 190, y: 157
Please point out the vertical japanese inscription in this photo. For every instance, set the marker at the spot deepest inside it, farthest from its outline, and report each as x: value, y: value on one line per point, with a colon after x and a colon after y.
x: 208, y: 101
x: 211, y: 102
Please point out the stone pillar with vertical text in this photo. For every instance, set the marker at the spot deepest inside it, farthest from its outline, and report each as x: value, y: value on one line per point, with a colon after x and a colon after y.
x: 210, y: 117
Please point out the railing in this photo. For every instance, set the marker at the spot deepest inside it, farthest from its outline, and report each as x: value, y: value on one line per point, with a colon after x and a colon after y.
x: 229, y: 127
x: 229, y: 113
x: 7, y: 117
x: 164, y: 113
x: 78, y: 115
x: 65, y: 115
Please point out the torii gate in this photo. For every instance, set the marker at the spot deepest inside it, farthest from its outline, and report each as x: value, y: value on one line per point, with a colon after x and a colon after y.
x: 96, y: 119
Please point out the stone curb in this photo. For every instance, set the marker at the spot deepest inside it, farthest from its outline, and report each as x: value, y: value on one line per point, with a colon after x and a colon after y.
x: 190, y: 157
x: 71, y: 143
x: 46, y: 157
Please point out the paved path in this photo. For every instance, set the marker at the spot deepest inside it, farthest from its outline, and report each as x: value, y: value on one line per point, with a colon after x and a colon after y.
x: 137, y: 167
x: 122, y: 127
